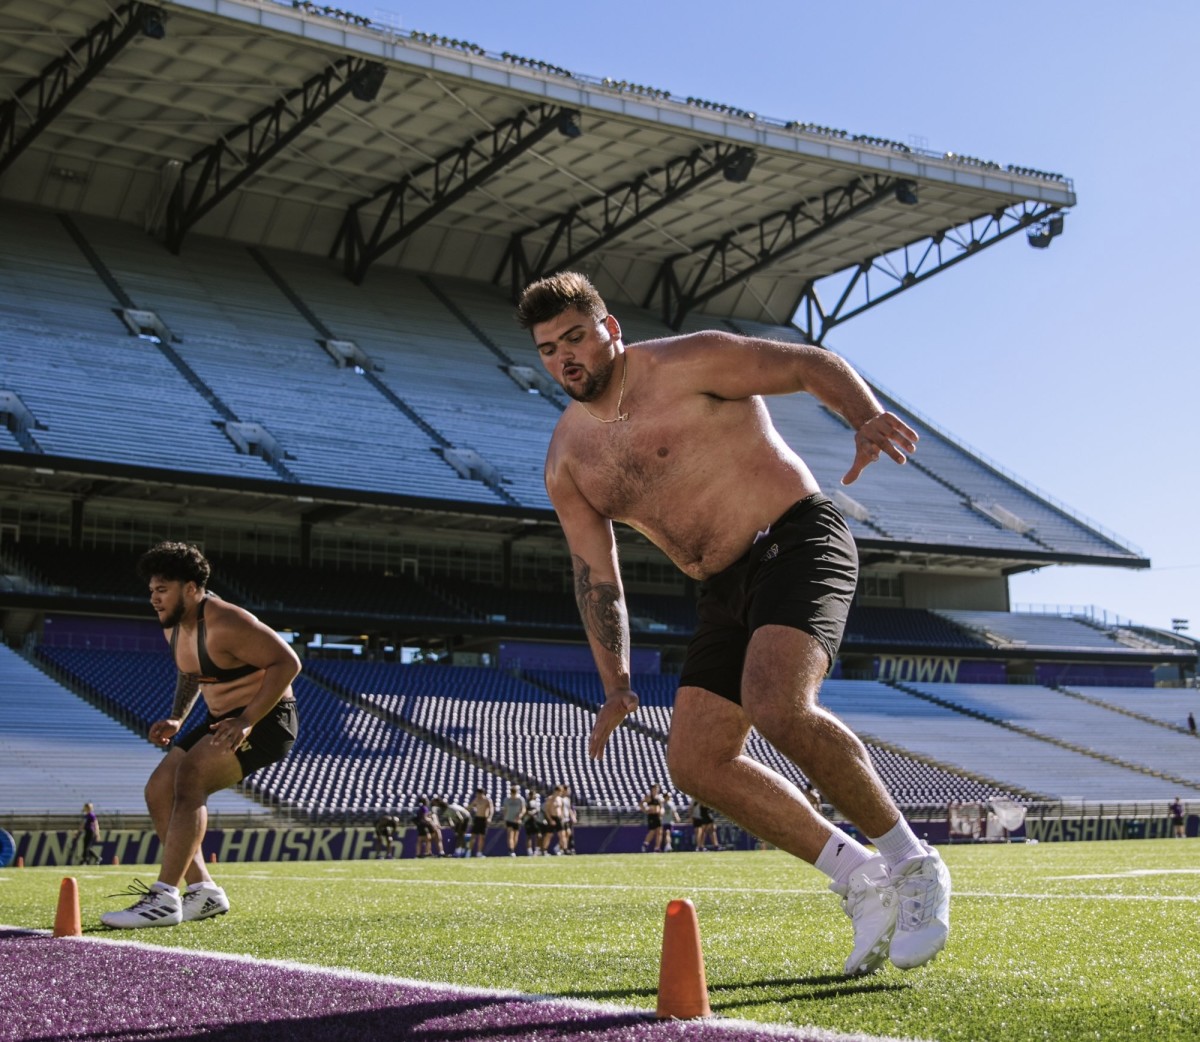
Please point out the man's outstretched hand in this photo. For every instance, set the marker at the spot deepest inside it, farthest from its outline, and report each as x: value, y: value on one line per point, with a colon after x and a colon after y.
x: 616, y: 707
x: 885, y: 433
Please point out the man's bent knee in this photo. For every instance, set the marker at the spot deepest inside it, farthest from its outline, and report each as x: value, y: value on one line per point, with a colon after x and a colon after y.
x: 203, y: 771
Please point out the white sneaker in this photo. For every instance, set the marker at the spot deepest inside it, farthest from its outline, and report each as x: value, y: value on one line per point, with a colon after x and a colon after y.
x: 204, y: 902
x: 870, y: 902
x: 922, y: 887
x: 157, y: 905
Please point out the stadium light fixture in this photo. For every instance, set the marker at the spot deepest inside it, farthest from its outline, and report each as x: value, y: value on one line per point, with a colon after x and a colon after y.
x: 1044, y: 232
x: 739, y: 169
x: 366, y: 86
x: 906, y: 193
x: 568, y: 124
x: 153, y: 25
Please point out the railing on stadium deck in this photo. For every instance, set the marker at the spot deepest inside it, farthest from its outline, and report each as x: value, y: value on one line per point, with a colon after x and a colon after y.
x: 386, y: 26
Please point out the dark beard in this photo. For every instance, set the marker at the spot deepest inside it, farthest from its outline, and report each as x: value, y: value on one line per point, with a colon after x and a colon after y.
x: 594, y: 385
x: 175, y: 618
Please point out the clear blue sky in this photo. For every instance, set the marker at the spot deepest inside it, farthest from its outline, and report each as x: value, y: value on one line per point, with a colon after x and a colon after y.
x: 1075, y: 367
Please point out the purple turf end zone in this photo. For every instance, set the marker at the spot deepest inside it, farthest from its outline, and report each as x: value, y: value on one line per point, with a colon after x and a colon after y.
x: 100, y: 989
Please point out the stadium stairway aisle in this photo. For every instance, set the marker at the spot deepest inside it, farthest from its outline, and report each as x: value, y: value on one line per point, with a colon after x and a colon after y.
x: 57, y: 752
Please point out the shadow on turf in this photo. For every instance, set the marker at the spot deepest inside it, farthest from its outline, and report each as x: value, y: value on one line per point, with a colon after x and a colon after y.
x: 458, y: 1019
x: 783, y: 990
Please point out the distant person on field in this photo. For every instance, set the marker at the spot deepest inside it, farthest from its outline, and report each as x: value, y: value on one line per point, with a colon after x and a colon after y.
x: 703, y: 827
x: 244, y: 671
x: 482, y: 808
x: 673, y: 438
x: 458, y: 818
x: 670, y: 820
x: 569, y: 817
x: 1191, y: 723
x: 1178, y: 822
x: 533, y: 824
x: 552, y: 820
x: 513, y: 811
x: 652, y: 806
x: 423, y: 821
x: 386, y: 827
x: 88, y: 834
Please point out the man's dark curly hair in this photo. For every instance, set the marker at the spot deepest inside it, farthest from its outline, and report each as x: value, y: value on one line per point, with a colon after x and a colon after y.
x: 175, y: 562
x: 550, y: 297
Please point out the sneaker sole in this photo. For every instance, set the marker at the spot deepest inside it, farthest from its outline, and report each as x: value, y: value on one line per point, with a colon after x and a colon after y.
x: 142, y: 925
x: 211, y: 915
x: 872, y: 961
x: 915, y: 960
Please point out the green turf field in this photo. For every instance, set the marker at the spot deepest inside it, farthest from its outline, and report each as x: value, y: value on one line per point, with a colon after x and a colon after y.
x: 1052, y: 941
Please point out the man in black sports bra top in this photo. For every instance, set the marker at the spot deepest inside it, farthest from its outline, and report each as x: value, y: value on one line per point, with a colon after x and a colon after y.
x: 244, y: 671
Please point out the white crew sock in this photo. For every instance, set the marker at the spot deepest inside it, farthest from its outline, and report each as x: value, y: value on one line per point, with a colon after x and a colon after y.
x: 166, y: 888
x: 841, y: 856
x: 899, y: 844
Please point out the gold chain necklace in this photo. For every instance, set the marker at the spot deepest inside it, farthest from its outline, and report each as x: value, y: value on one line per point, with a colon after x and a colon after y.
x: 620, y: 397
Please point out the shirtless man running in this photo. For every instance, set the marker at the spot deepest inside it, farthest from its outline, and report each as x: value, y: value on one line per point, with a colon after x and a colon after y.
x: 244, y: 671
x: 672, y: 438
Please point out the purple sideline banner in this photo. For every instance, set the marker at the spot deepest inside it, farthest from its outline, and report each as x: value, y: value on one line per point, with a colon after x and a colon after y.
x: 335, y: 843
x: 328, y: 843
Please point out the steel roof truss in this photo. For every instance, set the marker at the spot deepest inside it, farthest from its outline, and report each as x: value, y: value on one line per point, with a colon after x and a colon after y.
x: 905, y: 267
x: 222, y: 167
x: 597, y: 221
x: 42, y: 98
x: 752, y: 248
x: 438, y: 185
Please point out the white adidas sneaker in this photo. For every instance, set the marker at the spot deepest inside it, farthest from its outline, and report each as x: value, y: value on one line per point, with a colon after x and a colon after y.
x: 922, y: 887
x: 157, y: 905
x: 204, y: 901
x: 870, y: 901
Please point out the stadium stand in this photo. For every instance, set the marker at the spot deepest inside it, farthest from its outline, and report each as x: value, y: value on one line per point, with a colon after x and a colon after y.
x: 965, y: 743
x: 365, y: 453
x: 906, y: 626
x: 1032, y: 630
x: 1168, y: 706
x: 1058, y: 716
x: 58, y: 752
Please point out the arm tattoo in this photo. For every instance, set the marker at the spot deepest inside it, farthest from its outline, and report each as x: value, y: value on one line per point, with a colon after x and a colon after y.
x: 601, y: 608
x: 187, y: 690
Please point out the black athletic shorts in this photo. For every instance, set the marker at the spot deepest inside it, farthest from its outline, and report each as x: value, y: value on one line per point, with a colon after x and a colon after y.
x: 801, y: 573
x: 270, y: 739
x: 479, y: 825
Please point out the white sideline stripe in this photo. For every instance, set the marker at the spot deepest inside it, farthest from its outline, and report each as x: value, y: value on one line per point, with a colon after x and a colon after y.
x: 677, y: 888
x: 1134, y: 872
x: 781, y: 1031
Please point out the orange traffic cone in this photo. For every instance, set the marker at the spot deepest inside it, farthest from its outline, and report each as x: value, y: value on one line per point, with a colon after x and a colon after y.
x: 66, y: 919
x: 20, y: 862
x: 682, y: 988
x: 116, y: 860
x: 212, y: 857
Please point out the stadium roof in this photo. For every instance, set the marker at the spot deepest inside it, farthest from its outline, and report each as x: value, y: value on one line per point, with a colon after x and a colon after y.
x: 304, y: 127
